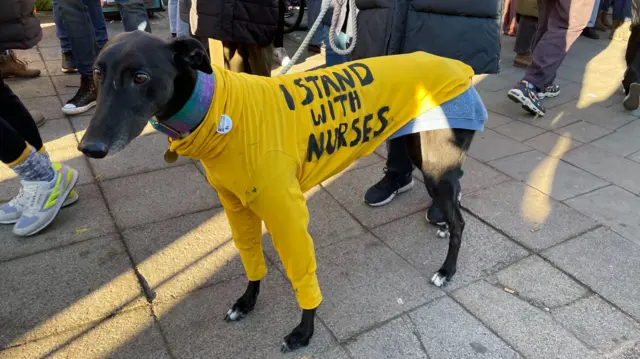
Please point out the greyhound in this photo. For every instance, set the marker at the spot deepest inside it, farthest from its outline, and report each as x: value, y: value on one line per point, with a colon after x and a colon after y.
x: 140, y: 77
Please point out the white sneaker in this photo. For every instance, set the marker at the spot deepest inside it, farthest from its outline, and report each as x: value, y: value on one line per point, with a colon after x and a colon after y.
x: 11, y: 211
x: 43, y: 200
x: 280, y: 56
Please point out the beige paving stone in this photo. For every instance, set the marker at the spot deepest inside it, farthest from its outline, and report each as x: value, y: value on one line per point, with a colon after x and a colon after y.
x: 611, y: 118
x: 549, y: 175
x: 496, y: 120
x: 553, y: 144
x: 363, y: 283
x: 483, y: 250
x: 50, y: 106
x: 519, y: 131
x: 57, y: 134
x: 51, y: 292
x: 478, y: 176
x: 583, y: 131
x: 623, y: 142
x: 194, y: 325
x: 635, y: 157
x: 66, y: 85
x: 610, y: 167
x: 394, y: 340
x: 156, y: 196
x: 527, y: 215
x: 85, y: 219
x: 489, y: 145
x: 182, y: 254
x: 29, y: 88
x: 131, y: 334
x: 349, y: 189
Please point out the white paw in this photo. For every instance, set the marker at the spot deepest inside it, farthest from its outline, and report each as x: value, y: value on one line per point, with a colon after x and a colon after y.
x: 234, y: 315
x: 442, y: 233
x: 438, y: 279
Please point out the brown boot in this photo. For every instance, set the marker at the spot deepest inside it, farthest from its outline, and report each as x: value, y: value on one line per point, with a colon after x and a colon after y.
x: 12, y: 66
x: 522, y: 60
x: 602, y: 22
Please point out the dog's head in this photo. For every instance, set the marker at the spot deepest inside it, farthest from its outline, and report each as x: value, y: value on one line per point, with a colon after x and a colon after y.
x: 139, y: 76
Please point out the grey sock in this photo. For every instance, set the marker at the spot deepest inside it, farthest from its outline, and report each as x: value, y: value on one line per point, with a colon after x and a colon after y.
x: 35, y: 168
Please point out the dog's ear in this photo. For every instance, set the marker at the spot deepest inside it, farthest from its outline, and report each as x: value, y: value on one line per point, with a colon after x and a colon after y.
x: 189, y: 52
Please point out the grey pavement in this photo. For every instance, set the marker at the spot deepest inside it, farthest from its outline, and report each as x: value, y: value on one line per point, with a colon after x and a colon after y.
x: 143, y: 266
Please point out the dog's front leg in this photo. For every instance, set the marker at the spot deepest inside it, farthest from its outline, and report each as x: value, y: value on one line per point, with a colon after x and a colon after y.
x: 244, y: 304
x: 301, y: 335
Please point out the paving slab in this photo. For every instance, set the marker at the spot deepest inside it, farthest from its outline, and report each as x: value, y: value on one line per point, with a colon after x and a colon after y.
x: 479, y: 176
x: 548, y: 174
x: 50, y: 106
x: 623, y: 142
x: 447, y: 330
x: 529, y: 330
x: 51, y: 292
x: 583, y: 131
x: 144, y: 154
x: 489, y: 145
x: 553, y: 144
x: 50, y: 53
x: 363, y: 283
x: 614, y: 207
x: 615, y: 169
x: 519, y: 131
x: 132, y: 334
x: 66, y: 85
x: 540, y: 284
x: 611, y: 118
x: 194, y: 325
x: 58, y: 134
x: 495, y: 120
x: 527, y: 215
x: 153, y: 196
x: 598, y: 324
x: 348, y: 188
x: 606, y: 262
x: 483, y: 250
x: 635, y: 157
x: 87, y: 218
x: 394, y: 340
x: 30, y: 88
x: 179, y: 255
x: 329, y: 223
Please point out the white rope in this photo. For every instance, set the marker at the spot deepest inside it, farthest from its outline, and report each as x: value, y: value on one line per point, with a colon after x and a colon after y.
x: 334, y: 20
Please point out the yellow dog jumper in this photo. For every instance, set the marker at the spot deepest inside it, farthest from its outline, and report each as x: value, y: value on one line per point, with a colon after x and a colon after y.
x: 281, y: 136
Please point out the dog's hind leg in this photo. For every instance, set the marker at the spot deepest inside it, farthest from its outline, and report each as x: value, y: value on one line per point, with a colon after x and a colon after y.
x: 245, y: 303
x: 301, y: 335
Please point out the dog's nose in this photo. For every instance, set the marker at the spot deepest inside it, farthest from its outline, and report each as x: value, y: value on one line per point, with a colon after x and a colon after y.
x: 93, y: 149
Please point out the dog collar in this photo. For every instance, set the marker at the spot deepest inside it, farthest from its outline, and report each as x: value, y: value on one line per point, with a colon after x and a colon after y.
x: 192, y: 113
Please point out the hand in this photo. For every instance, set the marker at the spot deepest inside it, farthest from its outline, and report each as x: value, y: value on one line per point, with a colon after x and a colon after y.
x: 101, y: 2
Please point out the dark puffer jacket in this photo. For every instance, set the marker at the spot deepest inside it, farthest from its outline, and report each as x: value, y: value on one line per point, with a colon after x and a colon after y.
x: 241, y: 21
x: 19, y: 26
x: 466, y: 30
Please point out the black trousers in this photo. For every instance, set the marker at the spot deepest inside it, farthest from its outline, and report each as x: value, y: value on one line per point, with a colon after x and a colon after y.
x: 632, y: 56
x: 16, y: 126
x: 278, y: 40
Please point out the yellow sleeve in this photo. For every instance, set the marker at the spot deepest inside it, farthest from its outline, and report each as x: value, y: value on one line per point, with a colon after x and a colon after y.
x: 246, y: 229
x: 276, y: 197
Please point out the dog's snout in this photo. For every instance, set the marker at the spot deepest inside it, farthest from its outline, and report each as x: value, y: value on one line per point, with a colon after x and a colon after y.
x: 93, y: 149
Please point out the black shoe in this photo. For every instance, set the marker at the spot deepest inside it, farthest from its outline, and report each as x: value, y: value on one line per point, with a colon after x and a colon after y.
x: 84, y: 99
x: 549, y: 92
x: 390, y: 185
x: 590, y: 33
x: 68, y: 63
x: 632, y: 100
x: 525, y: 94
x: 434, y: 214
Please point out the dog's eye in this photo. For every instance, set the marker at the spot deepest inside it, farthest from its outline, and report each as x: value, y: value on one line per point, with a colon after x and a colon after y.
x: 140, y: 78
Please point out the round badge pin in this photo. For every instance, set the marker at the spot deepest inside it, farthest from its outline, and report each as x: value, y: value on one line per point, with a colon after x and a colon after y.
x: 225, y: 124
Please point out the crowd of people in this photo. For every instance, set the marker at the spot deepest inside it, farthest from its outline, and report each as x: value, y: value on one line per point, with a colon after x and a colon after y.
x: 250, y: 41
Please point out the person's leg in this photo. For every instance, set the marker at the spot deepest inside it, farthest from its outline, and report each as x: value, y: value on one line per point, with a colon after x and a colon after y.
x: 172, y: 9
x: 97, y: 20
x: 134, y: 15
x: 621, y: 20
x: 565, y: 21
x: 76, y: 20
x: 68, y: 63
x: 182, y: 28
x: 527, y: 27
x: 397, y: 178
x: 341, y: 41
x: 590, y: 30
x: 259, y: 59
x: 280, y: 53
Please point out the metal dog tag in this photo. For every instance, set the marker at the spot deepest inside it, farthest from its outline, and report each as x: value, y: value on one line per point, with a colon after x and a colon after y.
x: 170, y: 156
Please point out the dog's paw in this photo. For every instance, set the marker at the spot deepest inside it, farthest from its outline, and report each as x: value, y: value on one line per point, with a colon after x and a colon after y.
x: 295, y: 340
x: 442, y: 233
x: 438, y: 279
x: 234, y: 314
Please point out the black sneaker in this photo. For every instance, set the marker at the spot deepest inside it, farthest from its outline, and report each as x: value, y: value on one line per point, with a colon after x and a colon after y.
x: 389, y: 186
x: 525, y: 94
x: 549, y: 92
x: 590, y: 33
x: 632, y: 100
x: 434, y: 214
x: 68, y: 63
x: 84, y: 99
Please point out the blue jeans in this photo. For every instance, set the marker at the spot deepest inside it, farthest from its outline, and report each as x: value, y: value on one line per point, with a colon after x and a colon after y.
x: 621, y: 9
x: 97, y: 20
x: 176, y: 25
x: 342, y: 42
x: 76, y: 21
x: 594, y: 14
x: 134, y: 15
